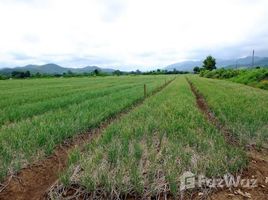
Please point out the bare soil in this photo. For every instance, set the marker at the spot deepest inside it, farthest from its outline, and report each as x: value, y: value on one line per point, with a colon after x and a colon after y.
x: 257, y: 167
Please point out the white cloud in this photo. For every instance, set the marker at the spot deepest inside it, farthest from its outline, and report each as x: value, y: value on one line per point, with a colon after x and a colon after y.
x: 127, y: 33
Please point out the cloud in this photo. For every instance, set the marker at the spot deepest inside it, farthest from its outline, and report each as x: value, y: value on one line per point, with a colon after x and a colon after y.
x: 129, y: 34
x: 111, y: 10
x: 20, y: 56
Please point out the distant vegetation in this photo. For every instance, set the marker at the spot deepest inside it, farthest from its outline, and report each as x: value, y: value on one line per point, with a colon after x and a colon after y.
x: 28, y: 74
x: 158, y: 71
x: 53, y: 69
x: 229, y: 63
x: 95, y: 72
x: 257, y: 77
x: 208, y: 64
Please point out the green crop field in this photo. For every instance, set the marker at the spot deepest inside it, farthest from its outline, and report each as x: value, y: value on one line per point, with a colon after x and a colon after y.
x: 147, y: 151
x: 36, y: 115
x: 243, y: 109
x: 141, y: 154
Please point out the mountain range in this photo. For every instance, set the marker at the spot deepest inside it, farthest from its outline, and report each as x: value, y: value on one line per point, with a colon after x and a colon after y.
x: 231, y: 63
x: 53, y: 69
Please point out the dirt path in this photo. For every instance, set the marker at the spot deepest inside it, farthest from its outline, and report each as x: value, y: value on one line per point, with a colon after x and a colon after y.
x: 258, y: 161
x: 32, y: 182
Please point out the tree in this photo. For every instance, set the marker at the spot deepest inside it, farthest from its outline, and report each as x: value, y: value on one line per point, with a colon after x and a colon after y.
x: 27, y: 74
x: 196, y: 70
x: 209, y: 63
x: 17, y: 74
x: 138, y: 71
x: 2, y: 77
x: 96, y: 72
x: 38, y: 75
x: 69, y: 72
x: 117, y: 72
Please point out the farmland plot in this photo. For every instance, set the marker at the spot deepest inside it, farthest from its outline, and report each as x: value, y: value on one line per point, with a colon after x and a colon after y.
x: 145, y: 153
x: 36, y: 115
x: 245, y: 124
x: 242, y: 109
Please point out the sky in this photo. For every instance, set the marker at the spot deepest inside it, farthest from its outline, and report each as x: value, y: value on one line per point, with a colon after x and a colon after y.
x: 129, y: 34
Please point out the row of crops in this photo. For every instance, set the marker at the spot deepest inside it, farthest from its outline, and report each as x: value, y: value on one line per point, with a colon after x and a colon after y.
x: 147, y: 151
x: 144, y: 153
x: 36, y: 115
x: 242, y: 109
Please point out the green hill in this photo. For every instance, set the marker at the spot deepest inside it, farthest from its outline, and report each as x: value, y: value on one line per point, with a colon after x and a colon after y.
x: 53, y: 69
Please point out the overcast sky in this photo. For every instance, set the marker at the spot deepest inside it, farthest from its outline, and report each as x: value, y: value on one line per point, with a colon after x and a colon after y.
x: 128, y: 33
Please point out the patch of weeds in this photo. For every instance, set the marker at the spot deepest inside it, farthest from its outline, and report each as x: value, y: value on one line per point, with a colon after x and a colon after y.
x: 74, y: 156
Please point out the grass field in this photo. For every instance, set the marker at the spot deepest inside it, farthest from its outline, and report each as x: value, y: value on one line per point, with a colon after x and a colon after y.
x: 36, y: 115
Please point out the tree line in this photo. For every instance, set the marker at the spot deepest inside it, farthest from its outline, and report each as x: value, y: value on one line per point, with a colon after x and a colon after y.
x: 96, y: 72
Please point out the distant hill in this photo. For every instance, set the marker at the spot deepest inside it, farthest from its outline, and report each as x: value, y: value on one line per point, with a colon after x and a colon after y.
x: 231, y: 63
x: 90, y: 69
x: 184, y: 66
x: 53, y: 69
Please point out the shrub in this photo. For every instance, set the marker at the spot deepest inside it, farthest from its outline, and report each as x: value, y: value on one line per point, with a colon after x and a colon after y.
x: 3, y: 77
x: 257, y: 77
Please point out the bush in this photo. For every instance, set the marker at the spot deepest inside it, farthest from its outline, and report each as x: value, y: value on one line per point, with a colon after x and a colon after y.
x: 252, y: 75
x: 203, y: 72
x: 257, y: 77
x: 3, y: 77
x: 18, y: 74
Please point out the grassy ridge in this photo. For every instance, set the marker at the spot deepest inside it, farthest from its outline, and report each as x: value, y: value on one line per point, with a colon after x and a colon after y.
x: 36, y: 131
x: 146, y: 152
x: 252, y: 77
x: 244, y: 110
x: 256, y: 78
